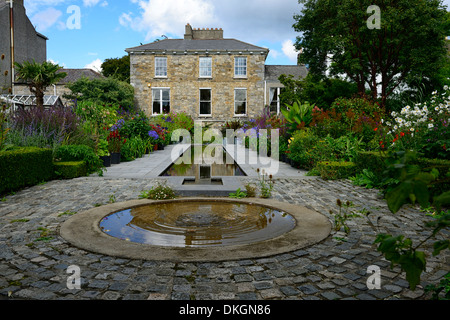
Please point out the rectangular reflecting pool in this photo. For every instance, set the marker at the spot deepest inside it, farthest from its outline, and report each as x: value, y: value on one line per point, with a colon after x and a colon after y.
x: 204, y: 162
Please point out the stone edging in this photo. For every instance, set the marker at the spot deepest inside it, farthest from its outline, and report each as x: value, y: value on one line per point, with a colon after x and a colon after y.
x: 83, y: 231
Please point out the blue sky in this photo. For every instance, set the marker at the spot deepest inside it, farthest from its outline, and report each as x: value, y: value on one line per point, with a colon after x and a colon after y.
x: 105, y: 28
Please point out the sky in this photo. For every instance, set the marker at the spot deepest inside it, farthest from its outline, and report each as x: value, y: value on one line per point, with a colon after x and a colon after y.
x: 83, y: 33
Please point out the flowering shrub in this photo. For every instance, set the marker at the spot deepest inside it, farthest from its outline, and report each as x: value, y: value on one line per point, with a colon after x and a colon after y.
x: 115, y: 142
x: 424, y: 126
x: 102, y: 115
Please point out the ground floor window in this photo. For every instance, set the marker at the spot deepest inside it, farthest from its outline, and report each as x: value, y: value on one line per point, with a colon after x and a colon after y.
x: 240, y: 102
x: 205, y: 102
x: 161, y: 100
x: 274, y: 99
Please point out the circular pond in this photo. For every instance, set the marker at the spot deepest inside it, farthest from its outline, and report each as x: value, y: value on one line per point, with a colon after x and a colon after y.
x: 197, y: 224
x: 196, y: 229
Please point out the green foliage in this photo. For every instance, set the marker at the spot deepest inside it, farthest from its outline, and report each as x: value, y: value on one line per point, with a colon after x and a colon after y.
x: 413, y: 182
x: 107, y: 91
x: 250, y: 190
x: 24, y: 167
x: 266, y: 183
x: 238, y: 194
x: 297, y: 115
x: 84, y: 153
x: 39, y: 76
x: 333, y: 170
x: 443, y: 287
x: 344, y: 214
x: 70, y: 170
x: 322, y: 93
x: 133, y: 148
x: 400, y: 251
x: 409, y: 45
x: 118, y: 68
x: 158, y: 192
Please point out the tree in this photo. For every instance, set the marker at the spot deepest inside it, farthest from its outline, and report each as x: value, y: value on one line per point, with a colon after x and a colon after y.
x: 39, y: 76
x: 408, y: 48
x: 118, y: 68
x: 106, y: 91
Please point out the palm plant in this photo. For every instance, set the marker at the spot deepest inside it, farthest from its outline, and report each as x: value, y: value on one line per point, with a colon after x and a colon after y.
x: 38, y: 77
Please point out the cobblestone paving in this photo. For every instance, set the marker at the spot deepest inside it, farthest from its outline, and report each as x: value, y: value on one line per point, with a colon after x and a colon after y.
x: 34, y: 258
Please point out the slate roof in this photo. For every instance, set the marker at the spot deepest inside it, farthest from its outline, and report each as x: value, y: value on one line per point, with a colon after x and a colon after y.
x: 273, y: 72
x: 76, y: 74
x: 198, y: 44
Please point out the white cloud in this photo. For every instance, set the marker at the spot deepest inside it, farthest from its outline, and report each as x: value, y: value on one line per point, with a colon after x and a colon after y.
x: 45, y: 19
x: 160, y: 17
x: 90, y: 3
x: 289, y: 50
x: 95, y: 65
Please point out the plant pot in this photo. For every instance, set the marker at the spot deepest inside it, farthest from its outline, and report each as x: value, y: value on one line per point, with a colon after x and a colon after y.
x: 155, y: 147
x: 106, y: 161
x: 115, y: 158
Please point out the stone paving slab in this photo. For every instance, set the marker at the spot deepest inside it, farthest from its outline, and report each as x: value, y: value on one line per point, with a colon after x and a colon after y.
x: 34, y: 258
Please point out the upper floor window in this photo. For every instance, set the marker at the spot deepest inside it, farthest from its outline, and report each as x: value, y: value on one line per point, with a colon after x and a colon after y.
x: 205, y: 67
x: 160, y: 67
x: 240, y: 67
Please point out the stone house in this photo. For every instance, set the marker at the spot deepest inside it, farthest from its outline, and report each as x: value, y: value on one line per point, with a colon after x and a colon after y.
x: 212, y: 78
x: 28, y: 44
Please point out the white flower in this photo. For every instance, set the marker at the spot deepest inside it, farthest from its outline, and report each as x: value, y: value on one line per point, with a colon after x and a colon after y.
x: 412, y: 129
x: 395, y: 127
x: 436, y: 109
x: 430, y: 126
x: 446, y: 87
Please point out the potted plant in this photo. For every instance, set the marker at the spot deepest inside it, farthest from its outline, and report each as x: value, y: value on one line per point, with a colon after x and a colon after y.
x: 115, y: 143
x: 103, y: 152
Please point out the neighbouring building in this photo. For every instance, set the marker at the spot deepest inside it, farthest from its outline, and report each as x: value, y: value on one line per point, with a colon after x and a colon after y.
x: 28, y: 44
x: 212, y: 78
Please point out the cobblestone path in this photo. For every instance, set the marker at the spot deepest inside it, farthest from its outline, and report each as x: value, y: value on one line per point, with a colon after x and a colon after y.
x: 34, y: 258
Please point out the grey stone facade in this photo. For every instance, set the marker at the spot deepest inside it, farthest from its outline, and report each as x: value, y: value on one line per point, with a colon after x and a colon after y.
x: 28, y: 43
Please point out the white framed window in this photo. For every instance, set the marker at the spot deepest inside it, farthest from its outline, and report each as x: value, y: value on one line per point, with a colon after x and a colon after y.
x: 240, y: 102
x: 205, y: 66
x: 240, y: 67
x: 160, y: 101
x: 205, y: 102
x: 274, y: 98
x: 161, y: 67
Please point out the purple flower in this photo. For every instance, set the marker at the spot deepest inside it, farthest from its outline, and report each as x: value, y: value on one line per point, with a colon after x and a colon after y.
x: 153, y: 134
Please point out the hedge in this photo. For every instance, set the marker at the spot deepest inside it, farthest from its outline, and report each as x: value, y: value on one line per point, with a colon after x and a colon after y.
x: 70, y: 170
x: 23, y: 167
x: 333, y: 170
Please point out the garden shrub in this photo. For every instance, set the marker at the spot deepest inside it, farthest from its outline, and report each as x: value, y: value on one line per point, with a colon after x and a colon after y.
x: 442, y: 183
x: 23, y: 167
x: 133, y: 148
x: 333, y: 170
x: 373, y: 161
x: 80, y: 153
x: 70, y: 170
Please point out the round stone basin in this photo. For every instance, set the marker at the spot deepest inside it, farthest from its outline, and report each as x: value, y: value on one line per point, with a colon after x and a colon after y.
x: 198, y: 224
x: 196, y: 229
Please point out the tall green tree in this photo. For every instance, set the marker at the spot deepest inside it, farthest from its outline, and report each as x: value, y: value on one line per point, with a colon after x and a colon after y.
x: 39, y: 76
x: 408, y: 48
x: 118, y: 68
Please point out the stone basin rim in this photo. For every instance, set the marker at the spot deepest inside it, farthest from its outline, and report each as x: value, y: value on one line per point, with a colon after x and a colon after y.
x: 83, y: 231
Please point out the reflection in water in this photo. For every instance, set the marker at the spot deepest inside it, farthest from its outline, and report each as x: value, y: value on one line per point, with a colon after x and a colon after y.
x: 197, y: 224
x: 204, y: 163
